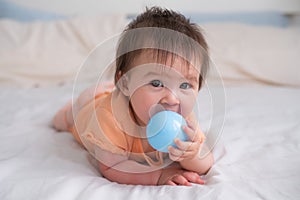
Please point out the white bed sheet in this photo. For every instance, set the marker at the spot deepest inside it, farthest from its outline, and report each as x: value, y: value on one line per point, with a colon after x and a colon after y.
x: 257, y: 156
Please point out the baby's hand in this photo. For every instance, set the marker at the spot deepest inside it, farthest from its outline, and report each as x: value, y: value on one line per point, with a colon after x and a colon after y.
x: 186, y: 178
x: 189, y: 149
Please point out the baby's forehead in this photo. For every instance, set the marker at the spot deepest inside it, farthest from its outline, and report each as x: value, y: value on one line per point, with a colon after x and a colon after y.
x: 162, y: 61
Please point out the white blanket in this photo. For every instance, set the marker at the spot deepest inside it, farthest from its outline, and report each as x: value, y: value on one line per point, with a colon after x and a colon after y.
x: 257, y: 156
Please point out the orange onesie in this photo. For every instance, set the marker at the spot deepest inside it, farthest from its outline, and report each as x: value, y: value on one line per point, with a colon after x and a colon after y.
x: 106, y: 123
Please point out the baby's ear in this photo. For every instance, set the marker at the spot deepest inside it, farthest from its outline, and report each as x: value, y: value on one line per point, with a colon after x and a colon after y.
x: 122, y: 84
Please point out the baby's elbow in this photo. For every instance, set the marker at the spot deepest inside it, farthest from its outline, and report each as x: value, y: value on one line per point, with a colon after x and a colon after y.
x: 108, y: 172
x: 103, y: 169
x: 209, y: 163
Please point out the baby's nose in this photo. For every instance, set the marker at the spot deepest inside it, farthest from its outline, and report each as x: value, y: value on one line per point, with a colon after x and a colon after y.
x: 170, y: 99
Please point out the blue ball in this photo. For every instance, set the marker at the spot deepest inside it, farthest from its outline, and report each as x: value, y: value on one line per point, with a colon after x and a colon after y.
x: 163, y: 128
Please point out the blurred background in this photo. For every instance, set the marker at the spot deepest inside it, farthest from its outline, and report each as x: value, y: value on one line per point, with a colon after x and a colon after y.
x: 45, y: 9
x: 44, y: 42
x: 88, y: 7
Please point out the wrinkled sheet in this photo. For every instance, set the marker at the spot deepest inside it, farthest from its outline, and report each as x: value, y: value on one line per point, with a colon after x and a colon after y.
x: 256, y: 157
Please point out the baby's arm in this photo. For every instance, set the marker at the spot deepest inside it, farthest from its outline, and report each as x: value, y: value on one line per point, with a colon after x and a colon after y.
x: 120, y: 169
x: 201, y: 163
x: 192, y: 155
x: 123, y: 177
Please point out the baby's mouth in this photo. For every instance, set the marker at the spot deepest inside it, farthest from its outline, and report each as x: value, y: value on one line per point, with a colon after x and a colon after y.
x: 155, y: 109
x: 158, y: 108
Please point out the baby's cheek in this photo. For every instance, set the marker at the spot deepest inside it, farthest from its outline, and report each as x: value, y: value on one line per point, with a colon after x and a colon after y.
x: 188, y: 100
x: 187, y: 106
x: 141, y: 110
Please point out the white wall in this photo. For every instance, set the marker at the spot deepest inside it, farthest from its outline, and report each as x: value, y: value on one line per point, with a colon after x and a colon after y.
x: 91, y: 7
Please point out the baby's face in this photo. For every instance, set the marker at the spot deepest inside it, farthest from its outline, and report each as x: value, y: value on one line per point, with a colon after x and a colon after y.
x: 154, y: 87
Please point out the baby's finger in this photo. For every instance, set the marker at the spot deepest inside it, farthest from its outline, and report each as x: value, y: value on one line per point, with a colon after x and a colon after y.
x: 175, y: 158
x: 174, y: 151
x: 191, y: 124
x: 193, y: 177
x: 175, y: 154
x: 169, y: 182
x: 183, y: 146
x: 196, y: 128
x: 181, y: 180
x: 192, y: 135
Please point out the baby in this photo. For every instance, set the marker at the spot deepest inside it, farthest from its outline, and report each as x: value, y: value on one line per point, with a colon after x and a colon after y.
x: 161, y: 62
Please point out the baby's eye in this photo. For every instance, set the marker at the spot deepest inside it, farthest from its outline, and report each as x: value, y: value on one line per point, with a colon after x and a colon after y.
x: 185, y: 86
x: 157, y: 83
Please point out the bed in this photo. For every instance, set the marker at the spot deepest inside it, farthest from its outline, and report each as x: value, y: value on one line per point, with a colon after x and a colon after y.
x: 255, y: 137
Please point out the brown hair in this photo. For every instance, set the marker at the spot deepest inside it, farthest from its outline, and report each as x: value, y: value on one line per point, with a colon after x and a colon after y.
x: 164, y: 31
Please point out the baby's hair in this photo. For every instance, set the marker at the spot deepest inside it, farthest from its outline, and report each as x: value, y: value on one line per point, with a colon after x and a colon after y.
x: 165, y: 33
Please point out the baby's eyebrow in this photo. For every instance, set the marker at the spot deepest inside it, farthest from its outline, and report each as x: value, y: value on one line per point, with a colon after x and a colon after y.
x: 151, y: 74
x: 188, y: 77
x: 192, y: 78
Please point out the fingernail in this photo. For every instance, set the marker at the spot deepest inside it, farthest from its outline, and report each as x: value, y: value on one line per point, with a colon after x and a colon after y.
x: 188, y: 184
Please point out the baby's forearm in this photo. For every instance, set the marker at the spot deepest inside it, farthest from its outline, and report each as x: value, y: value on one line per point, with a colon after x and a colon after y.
x: 199, y: 164
x: 134, y: 177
